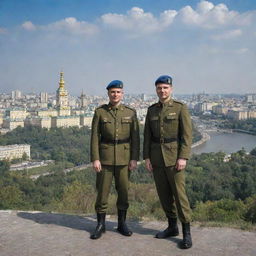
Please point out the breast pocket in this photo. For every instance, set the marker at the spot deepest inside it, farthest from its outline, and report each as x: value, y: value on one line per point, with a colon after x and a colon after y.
x: 170, y: 118
x: 106, y: 124
x: 126, y: 124
x: 154, y: 125
x: 171, y: 125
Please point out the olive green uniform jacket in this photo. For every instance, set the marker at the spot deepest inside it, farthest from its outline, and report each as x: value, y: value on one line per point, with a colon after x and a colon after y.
x: 167, y: 122
x: 115, y: 135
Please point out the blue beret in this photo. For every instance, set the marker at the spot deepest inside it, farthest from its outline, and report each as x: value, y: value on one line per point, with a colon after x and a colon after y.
x: 115, y: 84
x: 163, y: 80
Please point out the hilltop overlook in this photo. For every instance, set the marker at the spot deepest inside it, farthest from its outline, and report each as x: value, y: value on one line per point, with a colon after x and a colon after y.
x: 39, y: 234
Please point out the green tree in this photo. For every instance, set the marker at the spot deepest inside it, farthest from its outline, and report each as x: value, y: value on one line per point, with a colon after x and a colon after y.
x: 10, y: 197
x: 78, y: 197
x: 253, y: 152
x: 4, y: 167
x: 250, y: 214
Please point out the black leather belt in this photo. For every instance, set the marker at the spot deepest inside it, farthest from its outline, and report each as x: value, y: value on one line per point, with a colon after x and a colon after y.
x: 109, y: 141
x: 163, y: 140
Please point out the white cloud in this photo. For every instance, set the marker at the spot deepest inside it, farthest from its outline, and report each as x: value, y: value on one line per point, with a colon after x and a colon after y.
x: 209, y: 16
x: 73, y: 26
x: 138, y: 20
x: 167, y: 17
x: 28, y: 25
x: 204, y: 7
x: 69, y: 25
x: 228, y: 35
x: 206, y: 15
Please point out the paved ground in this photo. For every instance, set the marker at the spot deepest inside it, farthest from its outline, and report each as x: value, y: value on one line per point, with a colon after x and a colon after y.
x: 50, y: 234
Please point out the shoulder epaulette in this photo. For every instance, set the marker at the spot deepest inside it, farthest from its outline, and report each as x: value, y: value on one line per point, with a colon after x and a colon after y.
x: 102, y: 106
x: 179, y: 102
x: 129, y: 108
x: 155, y: 104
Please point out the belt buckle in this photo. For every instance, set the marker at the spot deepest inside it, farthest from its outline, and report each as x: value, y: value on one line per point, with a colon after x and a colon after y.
x: 161, y: 140
x: 116, y: 141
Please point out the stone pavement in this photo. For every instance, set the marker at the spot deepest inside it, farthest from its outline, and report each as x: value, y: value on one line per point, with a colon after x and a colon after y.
x: 52, y: 234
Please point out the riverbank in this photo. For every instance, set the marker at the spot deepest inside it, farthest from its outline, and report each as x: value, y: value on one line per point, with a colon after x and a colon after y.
x: 205, y: 137
x: 244, y: 131
x: 226, y: 142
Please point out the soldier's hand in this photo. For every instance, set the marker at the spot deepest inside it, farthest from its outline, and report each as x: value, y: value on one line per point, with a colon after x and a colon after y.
x: 132, y: 165
x: 181, y: 164
x: 148, y: 165
x: 96, y: 165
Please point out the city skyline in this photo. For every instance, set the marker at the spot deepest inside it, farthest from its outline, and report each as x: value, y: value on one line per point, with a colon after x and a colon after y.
x: 205, y: 45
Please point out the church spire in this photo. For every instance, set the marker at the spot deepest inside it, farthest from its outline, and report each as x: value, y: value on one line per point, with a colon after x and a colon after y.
x: 62, y: 82
x: 62, y: 95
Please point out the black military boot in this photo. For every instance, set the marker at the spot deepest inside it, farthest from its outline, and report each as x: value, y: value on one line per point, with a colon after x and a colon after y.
x: 100, y: 228
x: 172, y: 229
x: 122, y: 227
x: 186, y: 243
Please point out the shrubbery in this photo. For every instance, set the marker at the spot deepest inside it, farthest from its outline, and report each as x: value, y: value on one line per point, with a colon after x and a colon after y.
x: 225, y: 210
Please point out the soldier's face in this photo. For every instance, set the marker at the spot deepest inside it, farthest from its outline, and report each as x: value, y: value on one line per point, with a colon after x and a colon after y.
x: 115, y: 95
x: 163, y: 91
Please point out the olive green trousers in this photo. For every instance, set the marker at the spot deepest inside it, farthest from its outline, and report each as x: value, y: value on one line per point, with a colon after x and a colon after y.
x: 170, y: 185
x: 103, y: 185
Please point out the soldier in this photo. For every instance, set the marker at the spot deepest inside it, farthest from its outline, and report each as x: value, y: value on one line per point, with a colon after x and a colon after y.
x: 114, y: 153
x: 167, y: 144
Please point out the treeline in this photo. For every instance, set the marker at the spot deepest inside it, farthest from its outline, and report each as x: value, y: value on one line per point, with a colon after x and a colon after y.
x: 246, y: 125
x: 60, y: 144
x: 212, y: 176
x: 219, y: 189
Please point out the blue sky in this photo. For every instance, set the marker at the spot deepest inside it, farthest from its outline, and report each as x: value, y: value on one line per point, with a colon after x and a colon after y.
x: 206, y: 46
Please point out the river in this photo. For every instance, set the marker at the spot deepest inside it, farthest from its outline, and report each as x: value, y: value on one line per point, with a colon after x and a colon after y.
x: 226, y: 142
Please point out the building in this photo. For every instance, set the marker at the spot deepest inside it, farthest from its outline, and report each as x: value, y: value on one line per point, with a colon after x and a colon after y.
x: 43, y: 97
x: 14, y: 118
x: 220, y: 110
x: 83, y: 101
x: 43, y: 122
x: 237, y: 114
x: 16, y: 95
x: 60, y: 115
x: 1, y: 118
x: 16, y: 113
x: 62, y: 103
x: 65, y: 121
x: 12, y: 123
x: 46, y: 112
x: 85, y: 120
x: 252, y: 114
x: 14, y: 151
x: 204, y: 106
x: 250, y: 98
